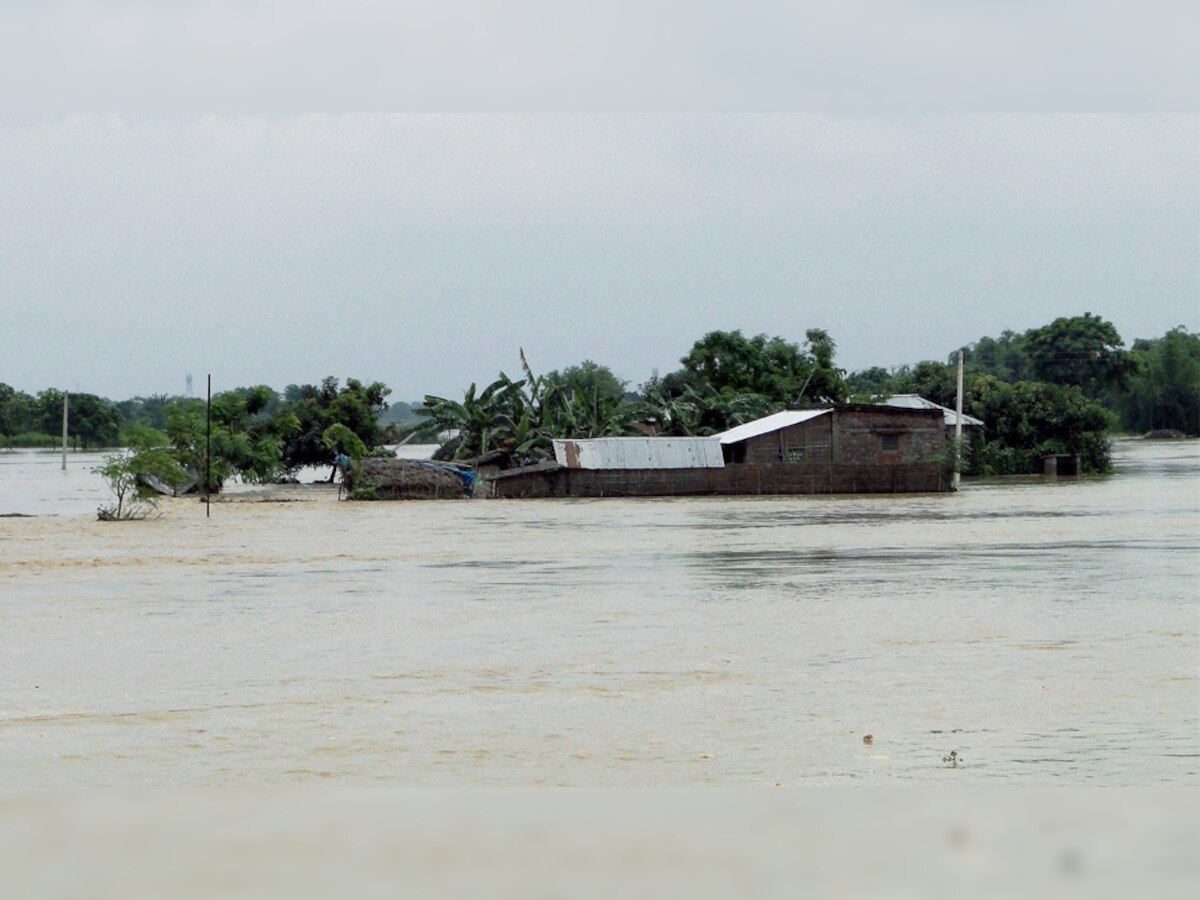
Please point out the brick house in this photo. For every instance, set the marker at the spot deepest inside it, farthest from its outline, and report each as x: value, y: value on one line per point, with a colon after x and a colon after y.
x: 843, y: 449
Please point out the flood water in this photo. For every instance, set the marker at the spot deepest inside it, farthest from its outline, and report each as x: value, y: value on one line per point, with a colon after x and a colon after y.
x: 1048, y: 632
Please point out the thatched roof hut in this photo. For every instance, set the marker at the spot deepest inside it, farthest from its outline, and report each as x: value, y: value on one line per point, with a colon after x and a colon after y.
x: 407, y: 479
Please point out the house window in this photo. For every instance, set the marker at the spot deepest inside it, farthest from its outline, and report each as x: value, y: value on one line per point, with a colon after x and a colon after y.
x: 891, y: 443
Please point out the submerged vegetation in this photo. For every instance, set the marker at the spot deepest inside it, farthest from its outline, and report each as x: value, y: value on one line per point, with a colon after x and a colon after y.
x: 1061, y: 388
x: 132, y: 471
x: 255, y: 435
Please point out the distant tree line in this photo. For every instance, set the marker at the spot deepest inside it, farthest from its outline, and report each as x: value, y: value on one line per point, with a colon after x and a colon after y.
x: 258, y: 434
x: 1063, y: 387
x: 36, y: 420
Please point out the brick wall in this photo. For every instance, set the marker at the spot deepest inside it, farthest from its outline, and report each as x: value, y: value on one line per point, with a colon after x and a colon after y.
x: 883, y: 436
x: 772, y: 478
x: 810, y: 441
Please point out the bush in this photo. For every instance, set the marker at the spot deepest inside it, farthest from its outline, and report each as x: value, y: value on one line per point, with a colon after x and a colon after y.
x: 127, y: 473
x: 31, y: 439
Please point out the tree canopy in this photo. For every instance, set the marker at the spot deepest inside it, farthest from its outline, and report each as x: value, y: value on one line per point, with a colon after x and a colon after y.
x: 730, y: 363
x: 1005, y: 357
x: 1029, y: 419
x: 246, y: 441
x: 1085, y: 351
x: 593, y: 380
x: 315, y: 408
x: 1165, y: 393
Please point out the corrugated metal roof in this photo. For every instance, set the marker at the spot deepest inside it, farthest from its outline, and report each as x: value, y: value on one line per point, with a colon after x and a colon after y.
x: 767, y: 424
x: 640, y: 453
x: 916, y: 401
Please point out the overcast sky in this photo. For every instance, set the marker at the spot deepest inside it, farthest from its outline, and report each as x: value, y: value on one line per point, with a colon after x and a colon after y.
x: 619, y: 55
x: 424, y: 250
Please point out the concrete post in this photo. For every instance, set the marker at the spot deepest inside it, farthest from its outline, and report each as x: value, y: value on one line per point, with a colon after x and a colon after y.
x: 958, y: 424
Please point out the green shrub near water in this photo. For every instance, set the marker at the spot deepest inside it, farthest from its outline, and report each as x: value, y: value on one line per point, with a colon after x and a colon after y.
x: 30, y: 440
x: 126, y: 471
x: 1030, y: 419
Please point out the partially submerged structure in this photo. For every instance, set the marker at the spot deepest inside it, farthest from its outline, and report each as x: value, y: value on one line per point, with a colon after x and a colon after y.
x: 407, y: 479
x: 1055, y: 464
x: 949, y: 416
x: 829, y: 450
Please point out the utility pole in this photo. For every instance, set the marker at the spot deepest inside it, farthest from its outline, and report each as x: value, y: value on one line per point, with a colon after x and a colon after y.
x: 208, y: 452
x: 66, y: 394
x: 958, y: 425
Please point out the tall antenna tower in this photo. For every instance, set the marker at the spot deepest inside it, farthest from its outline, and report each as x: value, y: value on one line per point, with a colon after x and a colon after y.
x: 188, y: 392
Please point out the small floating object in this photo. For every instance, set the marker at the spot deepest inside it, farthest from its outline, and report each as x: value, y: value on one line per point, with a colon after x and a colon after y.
x: 868, y: 739
x: 952, y: 759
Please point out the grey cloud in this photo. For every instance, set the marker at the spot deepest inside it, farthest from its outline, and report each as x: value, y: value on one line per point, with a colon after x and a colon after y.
x: 424, y: 250
x: 504, y: 55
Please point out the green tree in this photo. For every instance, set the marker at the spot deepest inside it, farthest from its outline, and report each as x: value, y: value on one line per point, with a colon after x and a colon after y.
x: 315, y: 408
x: 17, y: 412
x: 933, y: 380
x: 576, y: 414
x: 91, y: 421
x: 96, y: 422
x: 1085, y: 351
x: 1005, y: 357
x: 48, y: 405
x: 594, y: 381
x: 129, y: 471
x: 869, y: 383
x: 582, y: 401
x: 504, y: 416
x: 731, y: 363
x: 825, y: 380
x: 1029, y: 419
x: 700, y: 411
x: 670, y: 412
x: 150, y: 411
x: 246, y: 441
x: 340, y: 439
x: 1165, y: 392
x: 520, y: 418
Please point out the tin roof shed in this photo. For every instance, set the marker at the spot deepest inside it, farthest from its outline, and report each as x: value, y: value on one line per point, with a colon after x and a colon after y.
x: 767, y: 424
x: 640, y: 453
x: 916, y: 401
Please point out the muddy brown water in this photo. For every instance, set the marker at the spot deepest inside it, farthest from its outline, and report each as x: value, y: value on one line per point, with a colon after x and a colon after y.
x: 1045, y: 631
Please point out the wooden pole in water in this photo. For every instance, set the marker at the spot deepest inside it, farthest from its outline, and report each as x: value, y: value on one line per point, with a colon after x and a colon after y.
x: 958, y: 424
x: 208, y: 451
x: 66, y: 394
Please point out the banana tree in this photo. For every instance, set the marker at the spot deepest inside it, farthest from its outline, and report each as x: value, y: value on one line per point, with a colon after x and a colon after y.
x: 484, y: 421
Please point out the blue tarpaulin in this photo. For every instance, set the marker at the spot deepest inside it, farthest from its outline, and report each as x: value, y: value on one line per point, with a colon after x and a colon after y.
x: 467, y: 476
